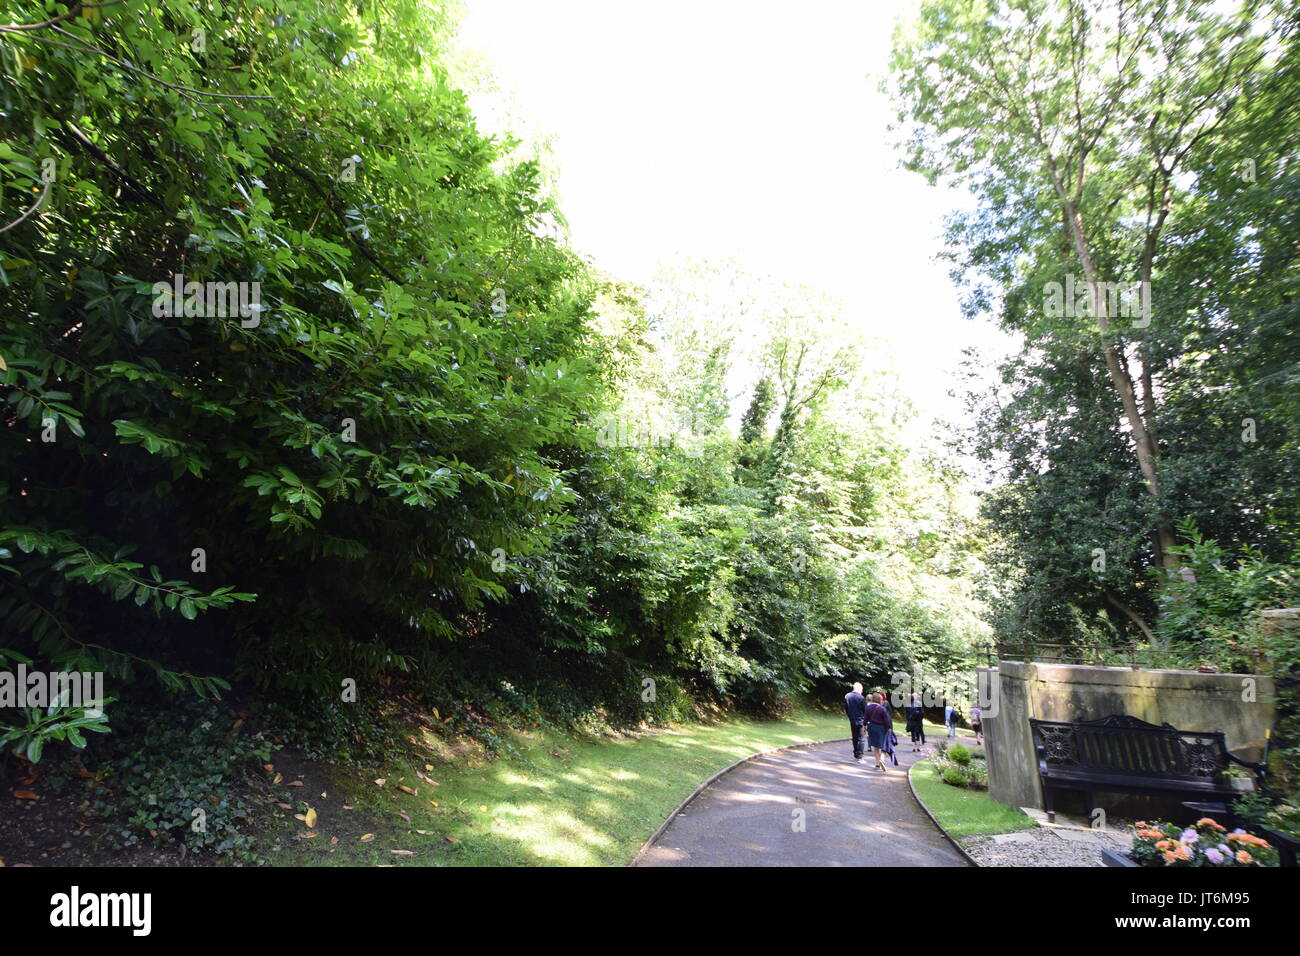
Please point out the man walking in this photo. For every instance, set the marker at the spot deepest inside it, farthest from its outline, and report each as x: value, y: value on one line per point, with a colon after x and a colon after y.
x: 855, y: 705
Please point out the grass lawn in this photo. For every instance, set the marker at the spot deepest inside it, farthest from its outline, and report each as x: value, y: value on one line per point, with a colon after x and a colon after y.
x: 563, y: 801
x: 963, y: 812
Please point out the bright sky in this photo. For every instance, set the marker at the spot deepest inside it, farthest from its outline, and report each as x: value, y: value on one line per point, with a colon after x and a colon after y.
x: 751, y: 130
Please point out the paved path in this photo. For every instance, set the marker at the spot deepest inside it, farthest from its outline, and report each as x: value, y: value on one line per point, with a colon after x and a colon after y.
x: 854, y: 815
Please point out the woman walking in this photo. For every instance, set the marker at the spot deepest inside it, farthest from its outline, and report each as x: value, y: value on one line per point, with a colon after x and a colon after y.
x: 878, y: 727
x: 916, y: 723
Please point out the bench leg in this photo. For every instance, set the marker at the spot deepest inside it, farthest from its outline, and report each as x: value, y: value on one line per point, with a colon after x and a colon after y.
x: 1047, y: 804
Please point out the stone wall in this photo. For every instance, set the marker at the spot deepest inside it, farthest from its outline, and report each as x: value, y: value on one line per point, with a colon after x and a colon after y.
x: 1186, y: 699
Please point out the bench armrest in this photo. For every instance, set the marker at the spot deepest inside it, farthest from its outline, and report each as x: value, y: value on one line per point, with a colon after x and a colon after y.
x: 1260, y: 768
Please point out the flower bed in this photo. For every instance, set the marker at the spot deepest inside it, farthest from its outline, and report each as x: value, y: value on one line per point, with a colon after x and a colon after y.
x: 1205, y: 843
x: 958, y: 767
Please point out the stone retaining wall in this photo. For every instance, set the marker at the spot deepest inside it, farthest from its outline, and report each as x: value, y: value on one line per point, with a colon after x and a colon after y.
x: 1186, y: 699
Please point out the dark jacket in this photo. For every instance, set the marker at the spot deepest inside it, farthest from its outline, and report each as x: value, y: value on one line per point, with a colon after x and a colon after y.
x: 855, y: 705
x: 915, y: 717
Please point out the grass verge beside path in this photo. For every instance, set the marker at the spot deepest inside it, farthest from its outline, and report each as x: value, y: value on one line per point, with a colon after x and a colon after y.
x: 961, y: 812
x: 563, y: 801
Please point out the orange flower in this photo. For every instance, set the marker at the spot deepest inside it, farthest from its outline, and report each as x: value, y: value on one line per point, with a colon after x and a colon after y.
x: 1207, y: 822
x: 1249, y: 839
x: 1244, y: 857
x: 1169, y: 858
x: 1183, y: 852
x: 1164, y: 844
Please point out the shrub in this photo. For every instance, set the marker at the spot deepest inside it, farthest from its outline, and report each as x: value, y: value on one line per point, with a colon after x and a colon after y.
x: 1284, y: 819
x: 169, y: 765
x: 959, y: 754
x: 954, y: 777
x: 978, y: 775
x: 1252, y: 807
x: 1207, y: 843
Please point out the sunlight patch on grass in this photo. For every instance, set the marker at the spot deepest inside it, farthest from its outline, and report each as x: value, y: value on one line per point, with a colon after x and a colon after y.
x: 574, y: 801
x: 964, y: 812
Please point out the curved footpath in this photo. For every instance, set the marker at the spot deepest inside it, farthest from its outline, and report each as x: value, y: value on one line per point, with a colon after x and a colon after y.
x: 854, y: 815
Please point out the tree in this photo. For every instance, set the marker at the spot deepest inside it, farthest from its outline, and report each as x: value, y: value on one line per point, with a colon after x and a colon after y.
x: 1077, y: 118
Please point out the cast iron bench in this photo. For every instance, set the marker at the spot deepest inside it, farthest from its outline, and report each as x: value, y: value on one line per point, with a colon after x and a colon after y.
x: 1122, y: 754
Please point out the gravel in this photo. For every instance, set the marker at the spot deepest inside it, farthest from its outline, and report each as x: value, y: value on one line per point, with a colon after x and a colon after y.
x: 1046, y: 846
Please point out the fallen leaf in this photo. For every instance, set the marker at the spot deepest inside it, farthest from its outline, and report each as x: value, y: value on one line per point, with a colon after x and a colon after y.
x: 367, y: 837
x: 403, y: 816
x: 381, y: 781
x: 294, y: 783
x: 346, y: 807
x: 433, y: 803
x: 25, y: 795
x: 311, y: 818
x: 451, y: 839
x: 482, y: 808
x: 277, y: 778
x: 268, y: 766
x: 334, y: 841
x: 284, y: 806
x: 428, y: 766
x: 403, y: 852
x: 308, y: 836
x: 405, y: 789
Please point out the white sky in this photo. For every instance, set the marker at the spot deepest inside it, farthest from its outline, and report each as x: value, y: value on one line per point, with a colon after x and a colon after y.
x: 750, y: 130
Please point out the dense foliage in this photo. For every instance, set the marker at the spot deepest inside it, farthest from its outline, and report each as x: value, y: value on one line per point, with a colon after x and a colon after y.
x: 1125, y: 143
x: 306, y: 400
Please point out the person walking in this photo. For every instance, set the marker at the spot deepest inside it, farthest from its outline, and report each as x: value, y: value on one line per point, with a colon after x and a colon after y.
x: 977, y: 723
x: 855, y: 705
x: 878, y: 727
x: 916, y: 723
x: 950, y: 719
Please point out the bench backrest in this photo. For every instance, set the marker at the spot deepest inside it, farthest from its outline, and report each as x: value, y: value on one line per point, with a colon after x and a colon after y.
x: 1125, y: 745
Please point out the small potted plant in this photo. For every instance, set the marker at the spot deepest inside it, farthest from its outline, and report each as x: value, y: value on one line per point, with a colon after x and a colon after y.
x: 1239, y: 778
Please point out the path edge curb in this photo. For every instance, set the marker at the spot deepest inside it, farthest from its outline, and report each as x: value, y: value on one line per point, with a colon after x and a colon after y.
x: 938, y: 826
x: 714, y: 779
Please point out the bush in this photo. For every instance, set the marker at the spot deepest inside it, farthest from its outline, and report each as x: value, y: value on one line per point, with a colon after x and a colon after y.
x: 978, y: 776
x: 959, y: 754
x: 178, y: 775
x: 954, y: 776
